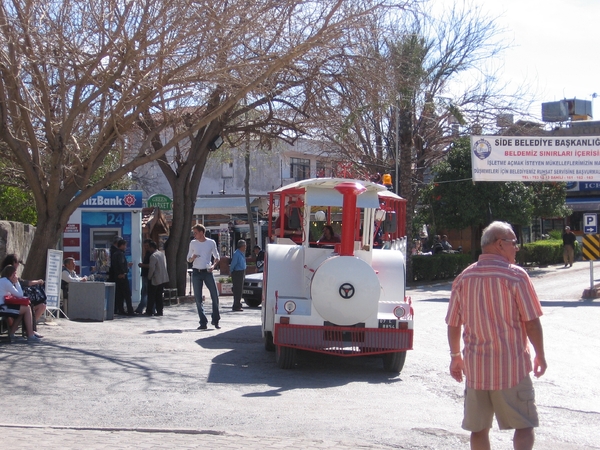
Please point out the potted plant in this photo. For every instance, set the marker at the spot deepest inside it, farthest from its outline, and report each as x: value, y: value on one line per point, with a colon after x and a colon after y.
x: 225, y: 286
x: 250, y: 267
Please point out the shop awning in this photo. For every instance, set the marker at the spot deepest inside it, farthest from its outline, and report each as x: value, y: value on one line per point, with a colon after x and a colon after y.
x: 584, y: 204
x: 226, y: 205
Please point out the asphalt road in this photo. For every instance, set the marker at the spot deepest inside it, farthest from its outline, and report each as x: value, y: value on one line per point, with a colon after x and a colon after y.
x: 161, y: 375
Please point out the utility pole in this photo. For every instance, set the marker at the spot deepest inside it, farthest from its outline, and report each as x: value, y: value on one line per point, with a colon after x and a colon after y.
x: 397, y: 175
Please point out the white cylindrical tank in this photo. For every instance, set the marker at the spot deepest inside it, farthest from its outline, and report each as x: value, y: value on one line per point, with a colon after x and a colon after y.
x: 345, y: 290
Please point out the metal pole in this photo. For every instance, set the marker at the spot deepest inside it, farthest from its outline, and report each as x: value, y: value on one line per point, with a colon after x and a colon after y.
x: 397, y: 148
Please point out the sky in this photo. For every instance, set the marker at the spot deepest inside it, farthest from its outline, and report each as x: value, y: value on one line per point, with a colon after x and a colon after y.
x: 555, y: 47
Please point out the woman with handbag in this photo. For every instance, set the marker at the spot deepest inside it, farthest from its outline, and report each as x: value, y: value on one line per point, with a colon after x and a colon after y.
x: 39, y: 305
x: 11, y: 289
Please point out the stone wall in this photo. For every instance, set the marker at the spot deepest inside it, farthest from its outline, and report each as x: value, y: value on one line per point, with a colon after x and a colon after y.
x: 15, y: 237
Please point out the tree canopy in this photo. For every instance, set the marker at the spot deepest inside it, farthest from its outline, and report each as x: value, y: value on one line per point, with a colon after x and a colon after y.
x: 80, y: 81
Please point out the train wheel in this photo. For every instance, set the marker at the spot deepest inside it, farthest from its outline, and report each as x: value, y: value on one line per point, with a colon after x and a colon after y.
x: 285, y: 357
x: 269, y: 346
x: 394, y: 362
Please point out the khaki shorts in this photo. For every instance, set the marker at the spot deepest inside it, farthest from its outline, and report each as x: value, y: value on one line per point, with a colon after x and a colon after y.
x: 514, y: 408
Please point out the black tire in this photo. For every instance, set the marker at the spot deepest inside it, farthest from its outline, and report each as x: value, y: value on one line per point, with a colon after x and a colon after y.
x: 252, y: 302
x: 269, y: 346
x: 285, y: 357
x: 394, y: 362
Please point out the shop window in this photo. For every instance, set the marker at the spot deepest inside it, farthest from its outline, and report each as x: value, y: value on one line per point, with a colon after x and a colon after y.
x: 299, y: 169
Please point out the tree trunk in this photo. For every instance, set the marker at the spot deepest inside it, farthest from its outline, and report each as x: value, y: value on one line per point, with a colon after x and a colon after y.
x: 247, y: 195
x: 185, y: 189
x: 474, y: 241
x: 406, y: 185
x: 177, y: 248
x: 47, y: 235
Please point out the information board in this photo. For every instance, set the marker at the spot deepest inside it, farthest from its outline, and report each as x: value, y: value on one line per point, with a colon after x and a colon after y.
x: 53, y: 277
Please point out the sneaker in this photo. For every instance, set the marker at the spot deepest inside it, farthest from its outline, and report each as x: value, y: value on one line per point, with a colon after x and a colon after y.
x: 37, y: 335
x: 203, y: 327
x: 33, y: 339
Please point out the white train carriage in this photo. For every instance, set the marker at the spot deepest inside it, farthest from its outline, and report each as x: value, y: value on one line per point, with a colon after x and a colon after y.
x: 345, y: 298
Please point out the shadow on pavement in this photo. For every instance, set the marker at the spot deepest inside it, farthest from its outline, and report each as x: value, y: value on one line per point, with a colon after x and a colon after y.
x: 249, y: 362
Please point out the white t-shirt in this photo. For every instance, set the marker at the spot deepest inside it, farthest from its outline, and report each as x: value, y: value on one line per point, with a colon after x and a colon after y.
x: 7, y: 288
x: 203, y: 251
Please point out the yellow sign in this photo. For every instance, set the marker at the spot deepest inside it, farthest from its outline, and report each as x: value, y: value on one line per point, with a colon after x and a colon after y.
x: 591, y: 247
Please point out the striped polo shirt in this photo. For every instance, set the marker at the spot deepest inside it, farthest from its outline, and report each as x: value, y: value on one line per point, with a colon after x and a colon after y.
x: 492, y: 299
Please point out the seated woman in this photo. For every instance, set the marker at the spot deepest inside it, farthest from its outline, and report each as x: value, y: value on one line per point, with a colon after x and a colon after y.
x: 9, y: 286
x: 329, y: 237
x: 38, y: 308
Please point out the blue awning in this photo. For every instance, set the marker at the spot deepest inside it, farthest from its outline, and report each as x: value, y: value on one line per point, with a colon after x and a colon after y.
x: 584, y: 204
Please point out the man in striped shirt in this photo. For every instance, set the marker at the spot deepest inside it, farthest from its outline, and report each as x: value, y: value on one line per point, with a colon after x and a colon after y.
x: 496, y: 304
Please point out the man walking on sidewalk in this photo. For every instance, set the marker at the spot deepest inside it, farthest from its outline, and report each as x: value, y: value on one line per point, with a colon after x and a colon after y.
x: 494, y: 304
x: 569, y: 239
x: 201, y: 252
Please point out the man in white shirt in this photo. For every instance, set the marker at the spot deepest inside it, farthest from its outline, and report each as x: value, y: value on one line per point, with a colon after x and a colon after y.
x: 69, y: 276
x: 201, y: 252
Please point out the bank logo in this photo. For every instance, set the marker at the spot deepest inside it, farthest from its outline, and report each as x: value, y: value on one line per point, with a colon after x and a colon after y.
x: 129, y: 199
x: 482, y: 149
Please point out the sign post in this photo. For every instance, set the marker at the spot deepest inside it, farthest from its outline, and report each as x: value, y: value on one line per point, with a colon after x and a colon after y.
x: 591, y: 246
x: 590, y: 223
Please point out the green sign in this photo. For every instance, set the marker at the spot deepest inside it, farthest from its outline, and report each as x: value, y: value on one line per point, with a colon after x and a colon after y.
x: 160, y: 201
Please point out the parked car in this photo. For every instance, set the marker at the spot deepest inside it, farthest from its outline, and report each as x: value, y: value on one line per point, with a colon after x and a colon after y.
x: 252, y: 292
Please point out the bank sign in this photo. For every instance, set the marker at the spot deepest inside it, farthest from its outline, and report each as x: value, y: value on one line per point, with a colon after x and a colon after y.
x: 535, y: 158
x: 114, y: 199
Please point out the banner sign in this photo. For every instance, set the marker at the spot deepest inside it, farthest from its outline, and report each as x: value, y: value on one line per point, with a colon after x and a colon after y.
x: 535, y: 158
x: 53, y: 277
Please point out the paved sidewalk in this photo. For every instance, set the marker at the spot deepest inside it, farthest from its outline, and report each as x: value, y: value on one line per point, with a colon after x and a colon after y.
x: 103, y: 377
x: 22, y: 436
x: 102, y: 438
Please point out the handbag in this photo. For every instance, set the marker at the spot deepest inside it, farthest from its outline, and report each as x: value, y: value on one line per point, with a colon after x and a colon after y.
x: 35, y: 294
x: 16, y: 301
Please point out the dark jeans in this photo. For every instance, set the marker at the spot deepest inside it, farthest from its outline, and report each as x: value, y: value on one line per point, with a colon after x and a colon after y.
x: 237, y: 276
x: 143, y: 296
x: 155, y: 298
x: 122, y: 293
x: 198, y: 279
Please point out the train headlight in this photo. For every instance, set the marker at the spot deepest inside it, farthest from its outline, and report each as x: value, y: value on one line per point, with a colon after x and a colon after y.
x: 400, y: 311
x: 289, y: 306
